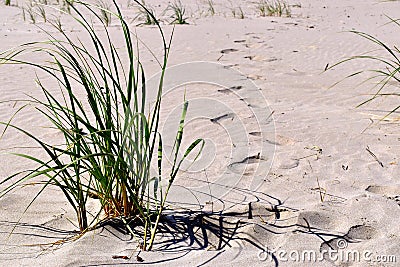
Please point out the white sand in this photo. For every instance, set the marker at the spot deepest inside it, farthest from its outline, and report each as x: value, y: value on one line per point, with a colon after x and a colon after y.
x: 302, y: 199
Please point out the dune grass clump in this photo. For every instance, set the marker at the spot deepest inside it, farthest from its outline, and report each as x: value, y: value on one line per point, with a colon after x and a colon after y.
x: 147, y: 15
x: 237, y: 12
x: 111, y: 135
x: 42, y: 13
x: 386, y: 77
x: 273, y: 8
x: 179, y: 12
x: 29, y: 10
x: 211, y: 8
x: 104, y: 7
x: 32, y: 10
x: 65, y: 5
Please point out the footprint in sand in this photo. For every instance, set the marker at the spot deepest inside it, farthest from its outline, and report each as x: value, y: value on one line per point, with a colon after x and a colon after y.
x: 258, y: 134
x: 226, y: 116
x: 361, y: 232
x: 236, y: 167
x: 289, y: 164
x: 356, y: 234
x: 261, y: 58
x: 230, y: 89
x: 386, y: 190
x: 316, y: 219
x: 270, y: 213
x: 255, y: 77
x: 279, y: 140
x: 258, y: 45
x: 391, y: 192
x: 229, y: 50
x: 284, y: 141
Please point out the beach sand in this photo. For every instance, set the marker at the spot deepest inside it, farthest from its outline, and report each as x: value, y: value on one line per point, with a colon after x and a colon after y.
x: 287, y: 167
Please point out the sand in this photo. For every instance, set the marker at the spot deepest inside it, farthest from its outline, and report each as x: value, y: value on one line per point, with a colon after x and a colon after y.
x: 286, y: 171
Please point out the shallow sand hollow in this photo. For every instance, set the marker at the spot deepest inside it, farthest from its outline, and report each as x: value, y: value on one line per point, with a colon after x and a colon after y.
x: 287, y: 169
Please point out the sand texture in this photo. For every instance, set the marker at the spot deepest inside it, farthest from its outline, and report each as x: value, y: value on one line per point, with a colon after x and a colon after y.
x: 288, y: 162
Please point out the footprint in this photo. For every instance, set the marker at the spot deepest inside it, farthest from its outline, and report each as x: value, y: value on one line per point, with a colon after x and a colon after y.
x: 258, y: 45
x: 230, y: 66
x: 283, y: 140
x: 258, y: 134
x: 237, y: 87
x: 247, y: 102
x: 315, y: 219
x: 272, y: 142
x: 269, y: 211
x: 290, y: 164
x: 230, y: 89
x: 388, y: 191
x: 247, y: 161
x: 391, y: 192
x: 255, y: 77
x: 229, y: 50
x: 225, y: 91
x: 355, y: 234
x: 223, y: 117
x: 250, y: 160
x: 261, y: 58
x: 361, y: 232
x: 272, y: 59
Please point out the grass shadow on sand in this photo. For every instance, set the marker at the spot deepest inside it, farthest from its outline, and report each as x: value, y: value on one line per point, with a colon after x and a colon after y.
x: 240, y: 226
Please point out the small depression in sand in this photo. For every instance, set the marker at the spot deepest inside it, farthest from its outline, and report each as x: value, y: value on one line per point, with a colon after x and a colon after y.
x: 219, y: 119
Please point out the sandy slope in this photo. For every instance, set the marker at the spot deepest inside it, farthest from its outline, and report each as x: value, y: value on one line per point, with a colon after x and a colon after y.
x: 313, y: 184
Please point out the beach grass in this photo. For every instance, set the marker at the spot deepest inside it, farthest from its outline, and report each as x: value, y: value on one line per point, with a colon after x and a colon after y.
x: 104, y: 7
x: 386, y: 76
x: 147, y: 15
x: 211, y: 7
x: 237, y: 12
x: 179, y: 12
x: 273, y: 8
x: 111, y: 137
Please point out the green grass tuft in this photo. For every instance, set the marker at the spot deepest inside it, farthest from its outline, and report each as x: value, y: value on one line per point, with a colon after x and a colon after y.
x: 211, y: 8
x: 106, y: 15
x: 237, y: 12
x: 387, y: 76
x: 277, y: 8
x: 146, y: 14
x: 179, y: 12
x: 111, y: 137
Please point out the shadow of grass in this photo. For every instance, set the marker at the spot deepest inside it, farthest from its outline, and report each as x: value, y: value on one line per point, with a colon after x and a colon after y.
x: 240, y: 226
